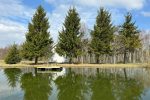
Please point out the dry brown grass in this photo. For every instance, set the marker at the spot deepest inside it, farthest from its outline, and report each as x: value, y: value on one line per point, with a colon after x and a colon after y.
x: 42, y: 64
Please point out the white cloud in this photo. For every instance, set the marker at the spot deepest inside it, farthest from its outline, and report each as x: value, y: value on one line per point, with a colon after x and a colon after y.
x: 58, y: 2
x: 14, y: 8
x: 13, y: 16
x: 56, y: 19
x: 11, y: 32
x: 128, y: 4
x: 50, y: 1
x: 87, y: 15
x: 117, y: 16
x: 146, y: 14
x: 88, y: 3
x: 87, y: 11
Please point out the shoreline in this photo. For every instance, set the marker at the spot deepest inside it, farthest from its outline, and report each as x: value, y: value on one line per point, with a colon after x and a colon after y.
x: 29, y: 64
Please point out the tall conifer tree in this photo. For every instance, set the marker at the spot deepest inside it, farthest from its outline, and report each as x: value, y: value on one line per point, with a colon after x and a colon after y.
x: 102, y: 35
x: 69, y: 44
x: 129, y: 35
x: 38, y: 41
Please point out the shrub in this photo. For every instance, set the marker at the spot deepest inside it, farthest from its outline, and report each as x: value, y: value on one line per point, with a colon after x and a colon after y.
x: 13, y: 55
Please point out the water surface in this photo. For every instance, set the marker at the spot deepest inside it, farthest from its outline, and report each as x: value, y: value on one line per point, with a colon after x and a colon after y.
x: 75, y: 84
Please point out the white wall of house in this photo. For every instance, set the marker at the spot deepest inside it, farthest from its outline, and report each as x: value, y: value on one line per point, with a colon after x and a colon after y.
x: 58, y: 58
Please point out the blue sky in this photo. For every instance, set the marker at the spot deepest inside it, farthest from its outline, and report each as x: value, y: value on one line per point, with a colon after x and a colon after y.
x: 15, y: 15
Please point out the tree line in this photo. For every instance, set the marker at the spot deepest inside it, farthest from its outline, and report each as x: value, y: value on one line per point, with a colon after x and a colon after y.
x: 107, y: 43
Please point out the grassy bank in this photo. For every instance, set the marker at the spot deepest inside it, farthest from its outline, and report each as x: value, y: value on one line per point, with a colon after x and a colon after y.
x: 42, y: 64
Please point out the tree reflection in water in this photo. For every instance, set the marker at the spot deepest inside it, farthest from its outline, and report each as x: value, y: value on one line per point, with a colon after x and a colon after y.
x: 110, y: 86
x: 71, y: 86
x: 104, y: 85
x: 127, y: 88
x: 101, y: 86
x: 82, y: 84
x: 12, y: 75
x: 36, y: 87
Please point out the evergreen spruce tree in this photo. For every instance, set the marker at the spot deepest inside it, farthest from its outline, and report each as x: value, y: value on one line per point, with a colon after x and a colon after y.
x: 69, y: 44
x: 102, y: 35
x: 129, y: 35
x: 13, y: 75
x: 13, y: 55
x: 38, y: 42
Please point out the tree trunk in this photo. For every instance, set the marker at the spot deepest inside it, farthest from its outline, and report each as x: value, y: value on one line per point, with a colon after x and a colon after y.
x: 97, y: 69
x: 90, y: 55
x: 142, y: 57
x: 97, y: 59
x: 36, y: 60
x: 132, y: 57
x: 70, y: 60
x: 114, y: 59
x: 35, y: 72
x: 125, y: 56
x: 82, y: 59
x: 125, y: 74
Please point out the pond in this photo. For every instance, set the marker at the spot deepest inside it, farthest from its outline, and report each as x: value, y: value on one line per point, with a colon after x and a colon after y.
x: 75, y: 84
